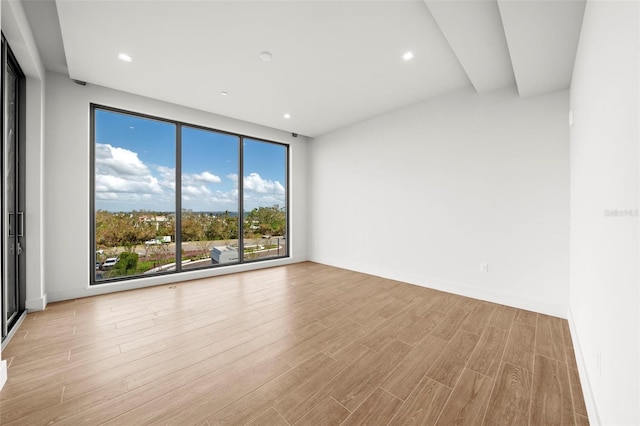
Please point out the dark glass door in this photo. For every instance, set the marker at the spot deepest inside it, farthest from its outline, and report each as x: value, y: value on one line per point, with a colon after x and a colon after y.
x: 13, y: 288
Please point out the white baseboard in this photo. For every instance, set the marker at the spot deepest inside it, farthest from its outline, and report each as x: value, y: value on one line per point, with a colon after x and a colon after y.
x: 516, y: 301
x: 75, y: 293
x: 34, y: 305
x: 509, y: 299
x: 3, y: 373
x: 587, y: 392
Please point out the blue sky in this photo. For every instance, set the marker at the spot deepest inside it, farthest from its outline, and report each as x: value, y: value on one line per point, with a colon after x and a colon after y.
x: 135, y: 167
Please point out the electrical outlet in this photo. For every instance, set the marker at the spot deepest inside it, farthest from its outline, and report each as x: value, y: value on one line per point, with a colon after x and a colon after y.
x: 484, y: 267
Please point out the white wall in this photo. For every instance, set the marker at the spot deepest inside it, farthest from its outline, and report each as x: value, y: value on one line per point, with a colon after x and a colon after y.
x: 66, y: 227
x: 604, y: 296
x: 427, y: 193
x: 16, y: 29
x: 34, y: 194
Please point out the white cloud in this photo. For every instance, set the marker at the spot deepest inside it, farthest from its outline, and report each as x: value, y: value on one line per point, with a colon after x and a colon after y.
x: 106, y: 196
x: 192, y: 183
x: 111, y: 160
x: 205, y: 177
x: 119, y: 170
x: 255, y: 183
x: 123, y: 181
x: 259, y: 192
x: 145, y: 185
x: 197, y: 191
x: 203, y: 198
x: 234, y: 178
x: 225, y: 197
x: 167, y: 174
x: 121, y: 177
x: 134, y: 199
x: 167, y: 177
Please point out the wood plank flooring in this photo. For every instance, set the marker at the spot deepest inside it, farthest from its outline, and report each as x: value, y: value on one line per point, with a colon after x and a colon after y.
x: 303, y: 344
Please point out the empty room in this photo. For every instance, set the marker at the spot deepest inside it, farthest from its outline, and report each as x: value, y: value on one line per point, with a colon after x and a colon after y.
x: 319, y: 212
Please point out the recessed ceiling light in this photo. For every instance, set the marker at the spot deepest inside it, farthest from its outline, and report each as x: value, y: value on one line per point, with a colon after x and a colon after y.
x: 224, y: 93
x: 265, y: 56
x: 287, y: 116
x: 407, y: 56
x: 124, y: 57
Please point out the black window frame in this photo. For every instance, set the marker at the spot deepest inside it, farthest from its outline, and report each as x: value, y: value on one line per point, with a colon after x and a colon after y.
x: 93, y: 107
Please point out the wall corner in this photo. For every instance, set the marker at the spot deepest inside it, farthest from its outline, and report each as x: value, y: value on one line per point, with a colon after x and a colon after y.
x: 33, y: 305
x: 587, y: 391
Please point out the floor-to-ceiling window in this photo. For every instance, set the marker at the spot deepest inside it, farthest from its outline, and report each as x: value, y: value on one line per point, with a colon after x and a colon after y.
x: 264, y: 199
x: 134, y: 194
x: 210, y: 204
x: 169, y: 197
x: 13, y: 225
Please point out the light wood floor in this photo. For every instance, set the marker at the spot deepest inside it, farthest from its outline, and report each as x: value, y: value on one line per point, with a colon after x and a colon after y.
x: 304, y: 344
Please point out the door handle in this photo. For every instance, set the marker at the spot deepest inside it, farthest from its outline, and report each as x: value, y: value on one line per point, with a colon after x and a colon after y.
x: 19, y: 246
x: 20, y: 230
x: 16, y: 229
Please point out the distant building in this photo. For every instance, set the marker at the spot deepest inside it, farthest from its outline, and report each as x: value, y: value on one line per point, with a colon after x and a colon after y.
x: 153, y: 219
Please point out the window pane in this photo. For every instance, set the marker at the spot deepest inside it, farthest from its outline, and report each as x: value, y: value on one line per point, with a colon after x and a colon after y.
x: 209, y: 198
x: 264, y: 199
x: 134, y: 195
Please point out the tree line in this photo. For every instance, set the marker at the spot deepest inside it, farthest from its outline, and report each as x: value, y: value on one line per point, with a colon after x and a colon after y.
x: 128, y: 229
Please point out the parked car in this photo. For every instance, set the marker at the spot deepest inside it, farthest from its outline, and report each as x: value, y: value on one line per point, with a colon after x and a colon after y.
x: 109, y: 263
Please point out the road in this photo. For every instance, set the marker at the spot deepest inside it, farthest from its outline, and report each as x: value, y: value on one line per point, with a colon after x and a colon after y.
x: 196, y: 246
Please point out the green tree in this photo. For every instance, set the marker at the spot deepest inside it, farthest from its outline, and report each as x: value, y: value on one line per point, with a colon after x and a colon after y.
x: 168, y: 226
x: 127, y: 263
x: 190, y: 225
x: 144, y: 231
x: 198, y: 228
x: 267, y: 220
x: 224, y: 227
x: 115, y: 229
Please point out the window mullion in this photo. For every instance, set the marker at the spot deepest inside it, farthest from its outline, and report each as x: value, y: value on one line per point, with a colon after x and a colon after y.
x: 241, y: 200
x: 178, y: 193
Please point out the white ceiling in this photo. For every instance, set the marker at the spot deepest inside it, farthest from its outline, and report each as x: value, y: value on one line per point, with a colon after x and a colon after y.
x: 334, y: 63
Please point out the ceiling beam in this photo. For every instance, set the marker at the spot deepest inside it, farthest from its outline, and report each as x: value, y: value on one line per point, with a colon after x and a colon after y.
x: 542, y: 37
x: 476, y: 36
